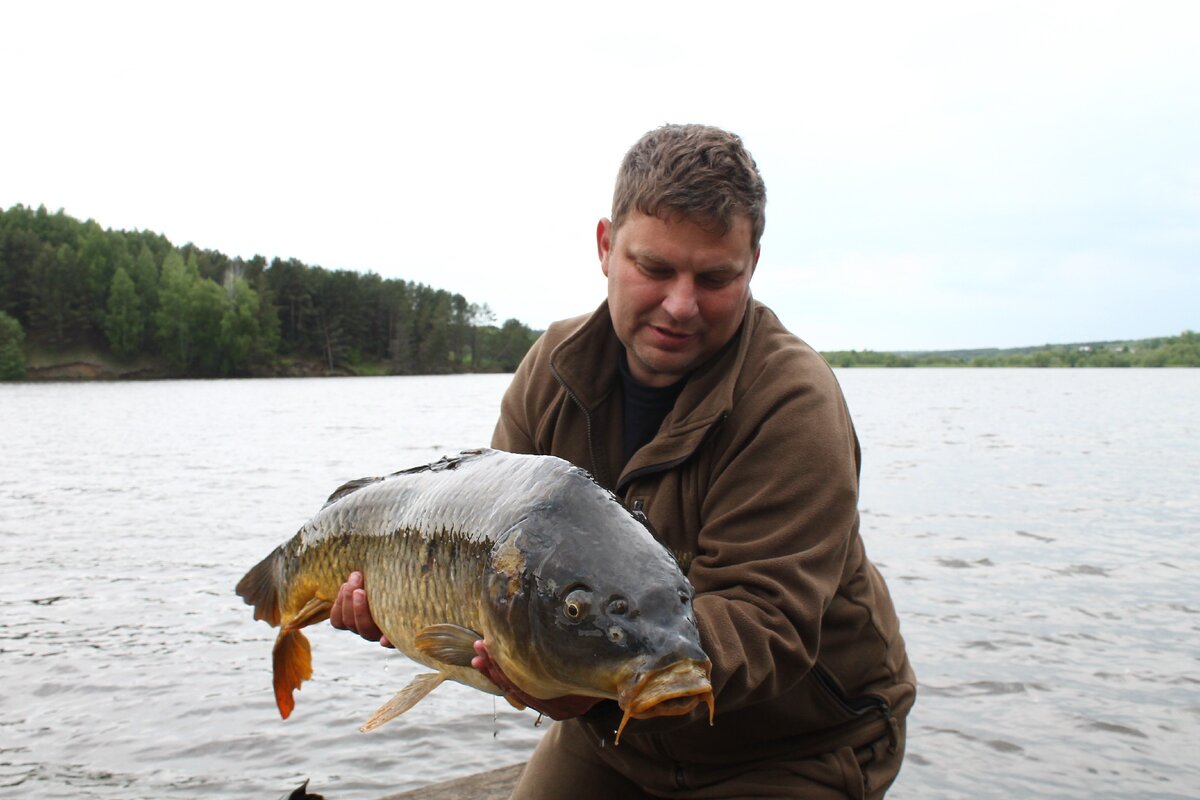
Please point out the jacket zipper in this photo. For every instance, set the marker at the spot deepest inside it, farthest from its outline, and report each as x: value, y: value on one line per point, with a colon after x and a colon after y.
x: 598, y: 470
x: 861, y: 705
x: 856, y: 706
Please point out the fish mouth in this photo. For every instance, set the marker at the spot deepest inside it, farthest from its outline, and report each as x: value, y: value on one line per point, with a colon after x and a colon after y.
x: 673, y: 690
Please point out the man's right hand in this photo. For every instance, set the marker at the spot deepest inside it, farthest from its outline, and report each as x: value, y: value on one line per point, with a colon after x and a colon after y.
x: 350, y: 611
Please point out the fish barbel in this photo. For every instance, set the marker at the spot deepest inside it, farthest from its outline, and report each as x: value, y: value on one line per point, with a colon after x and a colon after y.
x: 570, y: 591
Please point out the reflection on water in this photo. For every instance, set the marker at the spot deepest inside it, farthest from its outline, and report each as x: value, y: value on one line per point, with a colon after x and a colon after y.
x: 1038, y: 530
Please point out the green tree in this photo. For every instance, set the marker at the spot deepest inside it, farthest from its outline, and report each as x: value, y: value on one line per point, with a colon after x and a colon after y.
x: 481, y: 316
x: 12, y: 354
x: 144, y: 272
x: 267, y: 343
x: 59, y: 302
x: 511, y: 343
x: 101, y: 254
x: 172, y: 320
x: 239, y: 332
x: 291, y: 284
x: 18, y: 249
x: 123, y: 317
x: 207, y: 304
x: 396, y: 326
x: 431, y: 336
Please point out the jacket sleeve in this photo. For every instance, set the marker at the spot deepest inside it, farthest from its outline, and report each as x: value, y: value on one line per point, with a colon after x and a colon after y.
x: 515, y: 429
x: 779, y: 520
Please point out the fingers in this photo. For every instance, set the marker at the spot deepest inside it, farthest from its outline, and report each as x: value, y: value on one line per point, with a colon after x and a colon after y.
x: 363, y: 622
x: 341, y: 616
x: 558, y: 708
x: 483, y: 662
x: 351, y: 612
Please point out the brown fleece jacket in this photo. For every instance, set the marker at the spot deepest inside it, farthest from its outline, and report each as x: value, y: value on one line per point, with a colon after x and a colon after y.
x: 753, y: 480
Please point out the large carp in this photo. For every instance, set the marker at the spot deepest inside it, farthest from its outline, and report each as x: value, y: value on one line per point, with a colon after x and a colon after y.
x: 568, y: 589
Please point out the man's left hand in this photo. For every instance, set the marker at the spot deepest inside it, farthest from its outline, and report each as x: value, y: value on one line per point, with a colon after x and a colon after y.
x: 556, y: 708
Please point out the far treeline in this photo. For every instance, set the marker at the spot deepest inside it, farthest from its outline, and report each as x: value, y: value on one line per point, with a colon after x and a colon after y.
x: 1166, y: 351
x: 155, y: 310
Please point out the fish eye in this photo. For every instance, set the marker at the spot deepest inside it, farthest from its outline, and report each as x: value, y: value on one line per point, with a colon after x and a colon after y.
x: 577, y: 604
x: 683, y: 597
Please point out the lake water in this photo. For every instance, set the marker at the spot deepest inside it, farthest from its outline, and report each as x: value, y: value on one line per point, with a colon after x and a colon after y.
x: 1039, y: 530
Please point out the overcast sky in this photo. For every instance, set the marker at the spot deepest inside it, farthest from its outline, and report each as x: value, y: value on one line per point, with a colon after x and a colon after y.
x: 939, y: 175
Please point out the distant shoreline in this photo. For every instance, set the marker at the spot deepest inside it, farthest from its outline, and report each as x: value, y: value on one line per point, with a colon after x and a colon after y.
x: 84, y: 363
x: 1164, y: 351
x: 1181, y: 352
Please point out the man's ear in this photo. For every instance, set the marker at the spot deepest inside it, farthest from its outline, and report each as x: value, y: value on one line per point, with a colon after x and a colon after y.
x: 604, y: 242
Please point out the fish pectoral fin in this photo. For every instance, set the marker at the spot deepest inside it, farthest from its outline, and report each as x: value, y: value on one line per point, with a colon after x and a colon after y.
x: 405, y: 699
x: 314, y: 611
x: 450, y: 644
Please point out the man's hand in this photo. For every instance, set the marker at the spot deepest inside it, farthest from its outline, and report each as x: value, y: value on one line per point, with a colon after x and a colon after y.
x: 556, y: 708
x: 350, y: 611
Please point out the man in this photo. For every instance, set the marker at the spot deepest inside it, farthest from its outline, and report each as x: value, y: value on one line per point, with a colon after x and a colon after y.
x: 692, y: 402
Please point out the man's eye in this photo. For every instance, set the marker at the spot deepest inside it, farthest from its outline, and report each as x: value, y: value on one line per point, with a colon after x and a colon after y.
x: 658, y: 273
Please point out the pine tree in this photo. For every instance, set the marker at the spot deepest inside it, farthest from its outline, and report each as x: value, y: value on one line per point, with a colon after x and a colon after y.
x: 172, y: 320
x: 12, y: 356
x: 123, y: 317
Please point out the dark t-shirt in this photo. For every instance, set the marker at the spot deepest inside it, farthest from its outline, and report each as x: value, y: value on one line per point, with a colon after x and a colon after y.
x: 644, y: 407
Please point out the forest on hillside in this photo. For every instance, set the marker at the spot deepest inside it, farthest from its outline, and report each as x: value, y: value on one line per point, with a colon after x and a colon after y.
x: 167, y: 311
x: 151, y: 309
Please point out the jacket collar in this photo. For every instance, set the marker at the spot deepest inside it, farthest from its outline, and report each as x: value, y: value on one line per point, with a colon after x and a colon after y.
x: 585, y: 363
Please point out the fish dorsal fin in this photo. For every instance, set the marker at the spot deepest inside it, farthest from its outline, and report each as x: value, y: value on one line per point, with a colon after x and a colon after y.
x: 446, y: 462
x: 405, y: 699
x: 450, y: 644
x: 349, y: 488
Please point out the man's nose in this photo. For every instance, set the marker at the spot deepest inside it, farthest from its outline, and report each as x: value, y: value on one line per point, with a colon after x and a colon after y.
x: 680, y: 301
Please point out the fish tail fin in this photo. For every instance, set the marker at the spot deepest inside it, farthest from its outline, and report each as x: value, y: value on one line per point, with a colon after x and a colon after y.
x: 291, y: 662
x: 258, y: 588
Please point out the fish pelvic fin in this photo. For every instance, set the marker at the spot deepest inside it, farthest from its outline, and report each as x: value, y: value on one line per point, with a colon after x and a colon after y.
x: 450, y: 644
x: 291, y: 662
x: 258, y: 588
x: 405, y: 699
x: 314, y: 611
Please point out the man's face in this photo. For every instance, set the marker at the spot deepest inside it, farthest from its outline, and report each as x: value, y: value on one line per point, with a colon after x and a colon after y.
x: 676, y: 291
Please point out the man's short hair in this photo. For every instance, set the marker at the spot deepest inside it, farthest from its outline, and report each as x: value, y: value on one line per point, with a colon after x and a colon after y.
x: 699, y: 172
